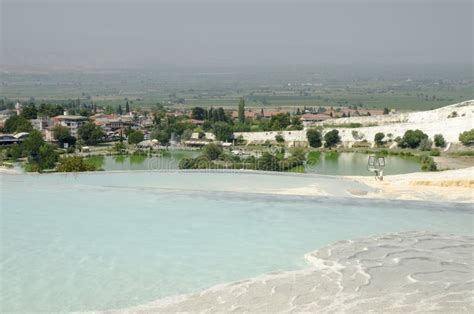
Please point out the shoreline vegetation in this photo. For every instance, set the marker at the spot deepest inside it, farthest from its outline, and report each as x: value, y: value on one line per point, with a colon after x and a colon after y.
x: 213, y: 157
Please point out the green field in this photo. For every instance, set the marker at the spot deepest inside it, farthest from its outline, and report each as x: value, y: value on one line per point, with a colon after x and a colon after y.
x: 408, y: 88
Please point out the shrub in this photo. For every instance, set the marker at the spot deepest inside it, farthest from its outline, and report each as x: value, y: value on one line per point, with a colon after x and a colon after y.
x: 222, y: 131
x: 75, y: 164
x: 453, y: 114
x: 357, y: 136
x: 428, y: 164
x: 425, y: 144
x: 120, y: 147
x: 439, y: 140
x: 212, y: 151
x: 186, y: 163
x: 412, y: 139
x: 314, y: 138
x: 467, y: 137
x: 268, y: 162
x: 279, y: 138
x: 186, y: 135
x: 435, y: 152
x: 378, y: 138
x: 332, y: 138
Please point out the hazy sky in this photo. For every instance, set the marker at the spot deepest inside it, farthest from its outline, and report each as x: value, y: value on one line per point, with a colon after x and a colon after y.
x: 231, y: 32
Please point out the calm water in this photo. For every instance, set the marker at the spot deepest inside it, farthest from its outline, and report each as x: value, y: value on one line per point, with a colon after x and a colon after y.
x: 355, y: 164
x: 169, y: 160
x: 348, y: 164
x: 101, y: 241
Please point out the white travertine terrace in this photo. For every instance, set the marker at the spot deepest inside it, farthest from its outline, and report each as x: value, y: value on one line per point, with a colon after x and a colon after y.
x: 399, y: 272
x: 437, y: 121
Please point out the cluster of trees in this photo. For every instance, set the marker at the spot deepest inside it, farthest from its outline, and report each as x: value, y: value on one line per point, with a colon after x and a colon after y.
x: 217, y: 122
x: 211, y: 115
x: 30, y: 111
x: 91, y: 134
x: 164, y: 125
x: 331, y: 138
x: 15, y: 124
x: 215, y: 119
x: 213, y: 157
x: 412, y: 139
x: 40, y: 155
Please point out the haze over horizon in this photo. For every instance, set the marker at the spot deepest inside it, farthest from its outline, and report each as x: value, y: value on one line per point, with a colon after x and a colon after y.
x: 129, y: 33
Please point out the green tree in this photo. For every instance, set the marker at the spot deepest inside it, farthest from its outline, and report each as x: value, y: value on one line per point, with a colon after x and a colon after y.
x: 186, y: 135
x: 467, y: 137
x: 332, y: 138
x: 412, y: 139
x: 439, y: 140
x: 63, y: 135
x: 90, y: 133
x: 378, y: 138
x: 119, y: 109
x: 242, y: 110
x: 386, y: 111
x: 29, y: 112
x: 135, y: 137
x: 47, y: 156
x: 212, y: 151
x: 219, y: 115
x: 162, y: 136
x: 32, y: 144
x: 50, y: 110
x: 127, y: 107
x: 40, y: 155
x: 280, y: 121
x: 198, y: 113
x: 222, y: 131
x: 296, y: 123
x: 314, y: 138
x: 15, y: 124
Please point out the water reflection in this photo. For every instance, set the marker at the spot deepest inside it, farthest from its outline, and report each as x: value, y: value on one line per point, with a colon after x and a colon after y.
x: 329, y: 163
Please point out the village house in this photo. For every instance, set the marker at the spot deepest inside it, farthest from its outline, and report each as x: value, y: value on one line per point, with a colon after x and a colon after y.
x: 73, y: 123
x: 41, y: 123
x: 310, y: 118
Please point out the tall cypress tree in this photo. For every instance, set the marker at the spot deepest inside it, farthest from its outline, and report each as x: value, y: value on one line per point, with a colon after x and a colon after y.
x: 242, y: 110
x: 127, y: 107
